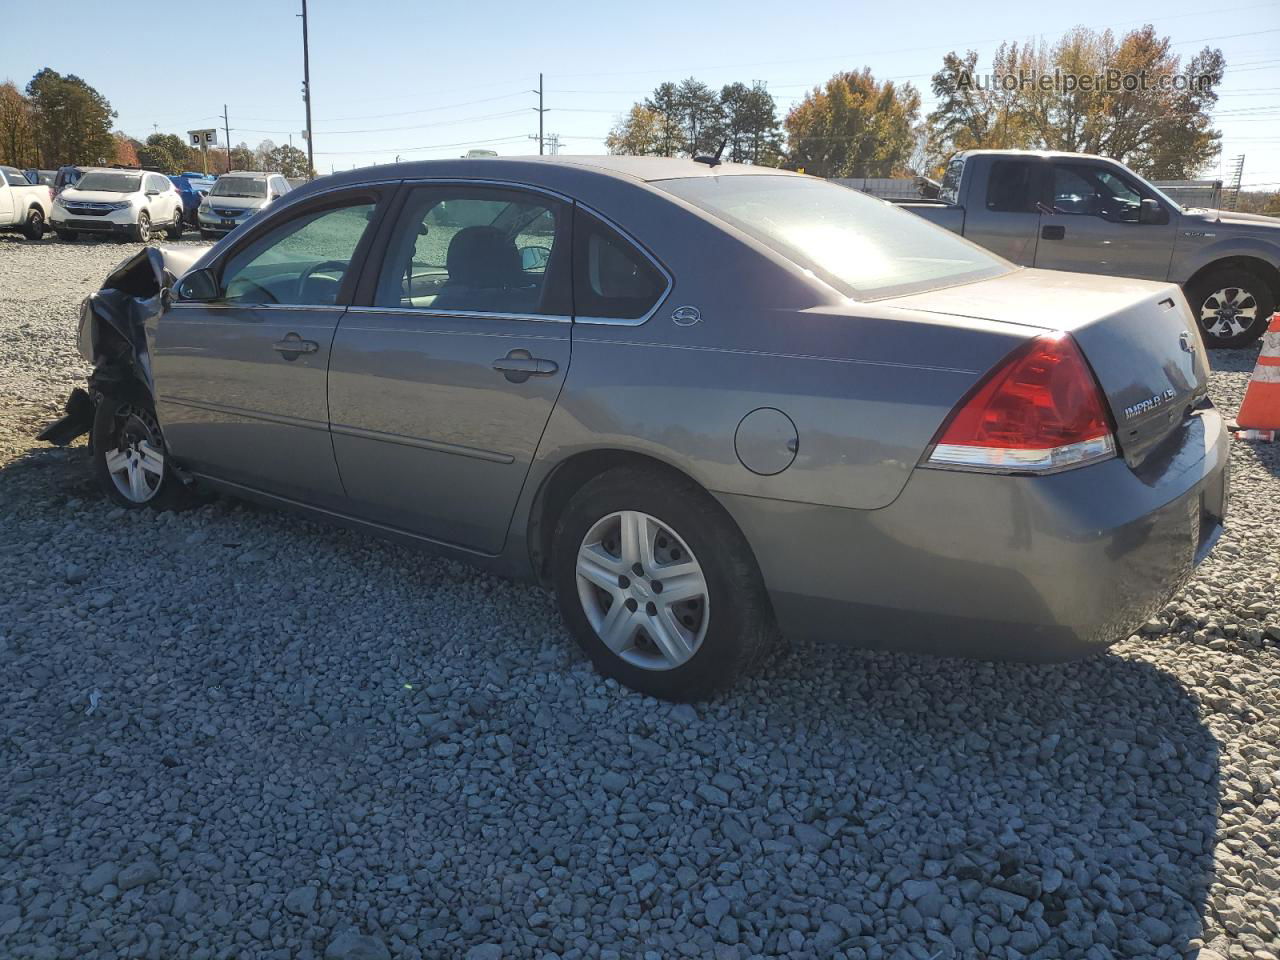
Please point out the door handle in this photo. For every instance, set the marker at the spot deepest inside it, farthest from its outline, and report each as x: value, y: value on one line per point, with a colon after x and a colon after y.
x: 1053, y: 232
x: 293, y: 346
x: 519, y: 365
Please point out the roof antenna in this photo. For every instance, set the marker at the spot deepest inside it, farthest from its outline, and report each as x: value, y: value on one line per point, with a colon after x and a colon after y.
x: 714, y: 159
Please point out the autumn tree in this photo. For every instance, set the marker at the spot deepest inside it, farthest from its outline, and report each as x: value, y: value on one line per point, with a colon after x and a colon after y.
x: 854, y: 126
x: 72, y: 120
x: 637, y: 133
x: 1149, y: 110
x: 126, y: 154
x: 17, y: 128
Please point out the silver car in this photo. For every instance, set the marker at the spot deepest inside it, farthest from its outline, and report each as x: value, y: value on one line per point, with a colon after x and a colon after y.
x: 235, y: 197
x: 708, y: 404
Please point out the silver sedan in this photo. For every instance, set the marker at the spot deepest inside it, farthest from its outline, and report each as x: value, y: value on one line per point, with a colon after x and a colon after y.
x: 706, y: 403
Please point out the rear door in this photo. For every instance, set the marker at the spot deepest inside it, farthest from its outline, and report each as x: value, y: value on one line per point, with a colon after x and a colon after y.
x: 442, y: 381
x: 1008, y: 222
x: 241, y: 379
x: 1092, y: 225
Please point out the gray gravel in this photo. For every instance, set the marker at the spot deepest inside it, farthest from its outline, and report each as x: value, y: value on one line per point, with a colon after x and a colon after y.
x: 230, y: 732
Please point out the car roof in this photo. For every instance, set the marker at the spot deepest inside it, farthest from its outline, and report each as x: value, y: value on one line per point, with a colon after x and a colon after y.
x: 259, y: 174
x: 1042, y: 154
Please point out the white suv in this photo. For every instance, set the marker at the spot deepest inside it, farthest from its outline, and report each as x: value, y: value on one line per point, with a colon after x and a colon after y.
x: 120, y: 203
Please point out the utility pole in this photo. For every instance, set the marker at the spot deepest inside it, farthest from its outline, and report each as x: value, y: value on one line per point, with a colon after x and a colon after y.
x: 226, y: 126
x: 541, y: 110
x: 306, y: 88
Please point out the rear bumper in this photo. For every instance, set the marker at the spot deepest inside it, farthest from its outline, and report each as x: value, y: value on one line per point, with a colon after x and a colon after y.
x: 970, y: 564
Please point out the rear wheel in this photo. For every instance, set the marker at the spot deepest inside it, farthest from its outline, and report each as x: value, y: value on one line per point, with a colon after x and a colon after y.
x: 129, y: 457
x: 33, y: 229
x: 142, y: 230
x: 174, y: 230
x: 658, y: 586
x: 1232, y: 306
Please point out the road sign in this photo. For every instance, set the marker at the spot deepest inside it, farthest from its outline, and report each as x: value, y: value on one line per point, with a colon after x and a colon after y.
x: 203, y: 138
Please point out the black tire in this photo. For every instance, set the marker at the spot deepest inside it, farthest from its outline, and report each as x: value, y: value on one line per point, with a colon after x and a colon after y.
x: 117, y: 426
x: 174, y: 230
x: 33, y: 229
x: 142, y: 229
x: 68, y: 236
x: 1253, y: 292
x: 740, y: 626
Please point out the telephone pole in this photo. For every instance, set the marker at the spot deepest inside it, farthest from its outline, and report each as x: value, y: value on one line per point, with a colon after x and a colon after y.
x: 541, y: 110
x: 306, y: 88
x: 226, y: 126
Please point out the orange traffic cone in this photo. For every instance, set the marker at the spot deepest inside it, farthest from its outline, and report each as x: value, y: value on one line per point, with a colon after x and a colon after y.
x: 1259, y: 417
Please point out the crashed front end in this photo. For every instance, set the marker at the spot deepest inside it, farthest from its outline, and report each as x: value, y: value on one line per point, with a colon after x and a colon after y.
x: 113, y: 337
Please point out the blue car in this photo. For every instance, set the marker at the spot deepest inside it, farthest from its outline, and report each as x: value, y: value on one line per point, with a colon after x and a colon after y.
x: 192, y: 187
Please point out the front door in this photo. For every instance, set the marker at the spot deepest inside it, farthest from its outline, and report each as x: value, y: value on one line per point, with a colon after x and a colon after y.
x: 242, y: 379
x: 1095, y: 225
x: 441, y: 384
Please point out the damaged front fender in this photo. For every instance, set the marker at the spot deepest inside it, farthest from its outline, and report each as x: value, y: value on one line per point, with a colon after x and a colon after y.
x: 113, y: 338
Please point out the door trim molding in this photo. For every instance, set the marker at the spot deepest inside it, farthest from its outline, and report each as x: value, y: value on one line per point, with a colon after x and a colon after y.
x: 247, y: 414
x: 438, y: 446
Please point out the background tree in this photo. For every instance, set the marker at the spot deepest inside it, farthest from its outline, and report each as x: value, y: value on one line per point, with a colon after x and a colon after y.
x: 636, y: 134
x: 284, y: 159
x: 751, y: 126
x: 1160, y: 131
x: 854, y: 126
x: 72, y: 120
x: 126, y: 154
x: 166, y: 152
x: 665, y: 103
x: 17, y: 128
x: 701, y: 117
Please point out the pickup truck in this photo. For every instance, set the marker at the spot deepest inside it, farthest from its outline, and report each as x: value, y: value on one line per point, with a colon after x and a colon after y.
x: 1089, y: 214
x: 24, y: 206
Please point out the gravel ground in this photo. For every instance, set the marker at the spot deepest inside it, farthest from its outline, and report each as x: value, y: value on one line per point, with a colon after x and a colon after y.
x: 232, y: 733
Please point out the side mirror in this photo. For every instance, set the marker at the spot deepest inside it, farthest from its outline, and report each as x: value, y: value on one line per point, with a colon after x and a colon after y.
x: 199, y: 286
x: 1152, y: 212
x: 534, y: 258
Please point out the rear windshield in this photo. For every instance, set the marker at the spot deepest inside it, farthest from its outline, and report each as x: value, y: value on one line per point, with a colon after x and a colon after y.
x: 109, y: 182
x: 239, y: 187
x: 862, y: 246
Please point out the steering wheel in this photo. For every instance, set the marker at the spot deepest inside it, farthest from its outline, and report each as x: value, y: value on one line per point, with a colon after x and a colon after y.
x: 306, y: 275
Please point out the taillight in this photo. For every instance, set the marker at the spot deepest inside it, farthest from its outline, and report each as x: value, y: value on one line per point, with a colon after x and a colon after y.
x: 1040, y: 410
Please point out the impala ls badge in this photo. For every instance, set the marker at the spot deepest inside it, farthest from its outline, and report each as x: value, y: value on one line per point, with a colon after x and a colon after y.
x: 1160, y: 399
x: 686, y: 316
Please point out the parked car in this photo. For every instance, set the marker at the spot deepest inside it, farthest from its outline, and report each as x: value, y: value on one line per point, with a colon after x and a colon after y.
x: 119, y: 203
x: 193, y: 189
x: 236, y: 197
x: 24, y: 206
x: 1075, y: 211
x: 703, y: 402
x: 68, y: 176
x: 44, y: 177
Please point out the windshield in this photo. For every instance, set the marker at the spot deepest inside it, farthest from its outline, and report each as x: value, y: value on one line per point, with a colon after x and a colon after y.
x: 862, y: 246
x: 109, y: 182
x: 239, y: 187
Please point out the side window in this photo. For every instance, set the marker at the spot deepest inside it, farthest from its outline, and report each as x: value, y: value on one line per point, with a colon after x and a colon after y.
x: 302, y: 262
x: 1011, y: 187
x: 611, y: 278
x: 1096, y: 192
x: 478, y: 250
x: 950, y: 189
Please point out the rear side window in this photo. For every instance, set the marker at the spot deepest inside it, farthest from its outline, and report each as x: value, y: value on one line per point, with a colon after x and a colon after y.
x: 16, y: 178
x: 612, y: 279
x: 950, y: 189
x: 1011, y: 187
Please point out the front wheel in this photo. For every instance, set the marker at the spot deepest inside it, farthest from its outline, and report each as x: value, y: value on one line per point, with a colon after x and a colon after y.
x: 142, y: 230
x: 33, y: 229
x: 129, y: 457
x: 1232, y: 306
x: 658, y: 585
x: 174, y: 230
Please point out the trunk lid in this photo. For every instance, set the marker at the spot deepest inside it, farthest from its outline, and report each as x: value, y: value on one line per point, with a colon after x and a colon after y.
x: 1139, y: 337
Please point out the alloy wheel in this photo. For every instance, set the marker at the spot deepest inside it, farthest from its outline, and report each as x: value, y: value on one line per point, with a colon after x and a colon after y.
x: 136, y: 462
x: 643, y: 590
x: 1228, y: 312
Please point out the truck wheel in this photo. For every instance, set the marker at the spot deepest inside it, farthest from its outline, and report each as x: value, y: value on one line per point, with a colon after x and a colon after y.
x: 1233, y: 306
x: 658, y: 585
x: 68, y: 236
x: 33, y: 229
x: 142, y: 230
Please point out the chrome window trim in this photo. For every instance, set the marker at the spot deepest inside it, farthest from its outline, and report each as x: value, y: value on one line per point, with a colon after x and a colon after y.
x: 291, y: 307
x: 462, y: 314
x: 666, y: 274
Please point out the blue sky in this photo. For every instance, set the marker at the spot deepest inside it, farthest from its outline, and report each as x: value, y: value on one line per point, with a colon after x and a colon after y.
x: 420, y: 80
